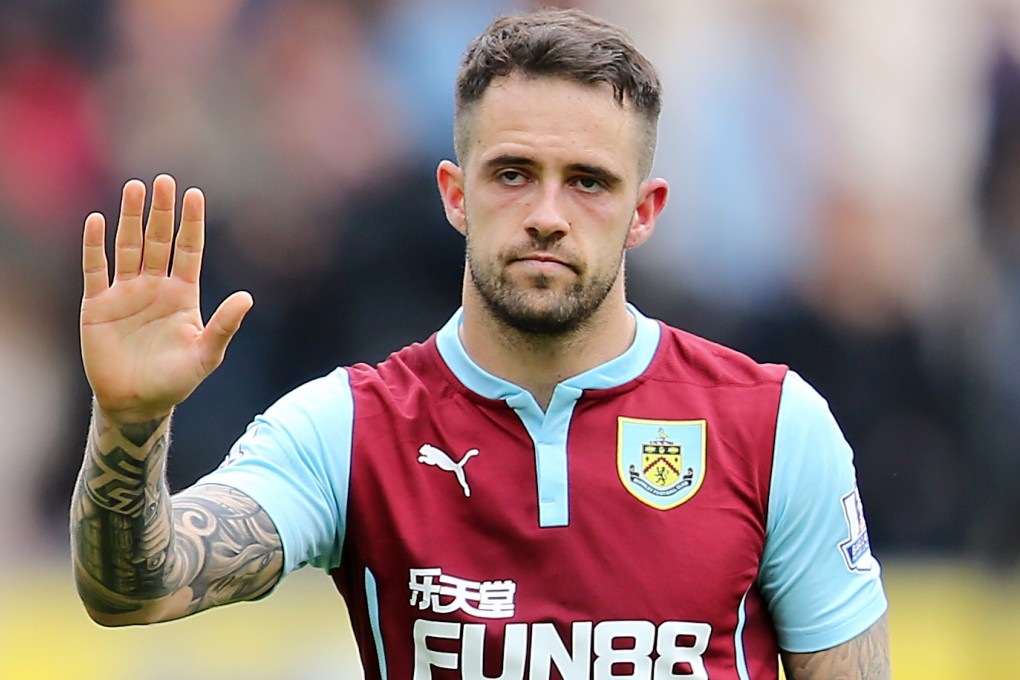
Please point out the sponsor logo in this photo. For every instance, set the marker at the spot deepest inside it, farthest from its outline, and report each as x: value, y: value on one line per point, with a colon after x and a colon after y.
x: 430, y: 455
x: 441, y: 593
x: 595, y: 651
x: 537, y: 651
x: 661, y: 462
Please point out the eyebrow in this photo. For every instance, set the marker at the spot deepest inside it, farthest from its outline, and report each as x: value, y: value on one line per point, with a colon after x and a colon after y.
x: 506, y: 160
x: 605, y: 176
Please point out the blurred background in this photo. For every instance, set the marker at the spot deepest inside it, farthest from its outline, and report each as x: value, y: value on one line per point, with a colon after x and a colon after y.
x: 845, y: 199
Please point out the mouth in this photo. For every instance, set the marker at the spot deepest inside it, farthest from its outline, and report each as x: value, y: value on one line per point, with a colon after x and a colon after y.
x: 543, y: 260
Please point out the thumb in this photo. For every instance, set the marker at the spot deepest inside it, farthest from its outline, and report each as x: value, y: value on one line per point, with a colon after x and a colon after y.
x: 222, y: 326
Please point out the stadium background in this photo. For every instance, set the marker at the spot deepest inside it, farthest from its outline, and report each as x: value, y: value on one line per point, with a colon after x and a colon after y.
x: 846, y: 199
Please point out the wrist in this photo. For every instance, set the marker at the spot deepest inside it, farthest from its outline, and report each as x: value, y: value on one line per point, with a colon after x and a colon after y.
x: 130, y: 416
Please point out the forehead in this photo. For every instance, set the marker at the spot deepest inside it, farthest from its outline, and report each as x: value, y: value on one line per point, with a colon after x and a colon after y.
x: 554, y: 119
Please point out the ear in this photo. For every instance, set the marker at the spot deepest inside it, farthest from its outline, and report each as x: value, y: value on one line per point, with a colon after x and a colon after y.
x: 450, y: 178
x: 652, y: 196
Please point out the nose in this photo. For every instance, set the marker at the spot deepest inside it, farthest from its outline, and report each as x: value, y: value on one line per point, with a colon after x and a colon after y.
x: 547, y: 219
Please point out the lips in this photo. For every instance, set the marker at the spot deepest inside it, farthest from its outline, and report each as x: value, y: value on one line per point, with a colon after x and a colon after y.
x: 545, y: 258
x: 541, y: 257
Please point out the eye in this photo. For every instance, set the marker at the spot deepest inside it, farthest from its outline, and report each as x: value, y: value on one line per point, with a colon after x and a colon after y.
x: 512, y: 178
x: 589, y: 185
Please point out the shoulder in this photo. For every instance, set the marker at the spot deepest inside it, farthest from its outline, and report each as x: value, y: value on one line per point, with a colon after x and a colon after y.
x: 415, y: 372
x: 411, y: 360
x: 701, y: 361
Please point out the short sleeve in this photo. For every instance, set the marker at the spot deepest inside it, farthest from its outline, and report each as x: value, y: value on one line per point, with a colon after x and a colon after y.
x: 294, y: 461
x: 818, y: 576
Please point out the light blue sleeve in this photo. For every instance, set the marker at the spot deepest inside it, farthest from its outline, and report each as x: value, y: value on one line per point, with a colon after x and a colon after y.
x: 294, y: 460
x: 818, y: 576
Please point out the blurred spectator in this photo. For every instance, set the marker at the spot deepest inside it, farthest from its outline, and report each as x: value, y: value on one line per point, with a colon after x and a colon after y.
x: 35, y: 395
x: 993, y: 343
x: 52, y: 162
x: 421, y: 43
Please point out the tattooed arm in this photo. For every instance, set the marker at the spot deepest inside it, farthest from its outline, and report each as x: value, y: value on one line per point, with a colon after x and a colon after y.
x: 141, y: 556
x: 866, y: 657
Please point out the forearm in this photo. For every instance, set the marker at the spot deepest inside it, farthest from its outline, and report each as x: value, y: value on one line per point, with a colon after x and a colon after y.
x: 121, y: 523
x: 141, y: 555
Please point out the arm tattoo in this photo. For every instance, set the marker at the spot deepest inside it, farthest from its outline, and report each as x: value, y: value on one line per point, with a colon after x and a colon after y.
x: 866, y: 657
x: 120, y: 516
x: 228, y: 548
x: 133, y: 548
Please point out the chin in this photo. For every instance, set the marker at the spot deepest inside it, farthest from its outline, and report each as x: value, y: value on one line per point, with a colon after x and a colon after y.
x: 548, y: 317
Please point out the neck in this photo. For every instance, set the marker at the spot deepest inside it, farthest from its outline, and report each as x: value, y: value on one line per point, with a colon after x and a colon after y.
x: 539, y: 362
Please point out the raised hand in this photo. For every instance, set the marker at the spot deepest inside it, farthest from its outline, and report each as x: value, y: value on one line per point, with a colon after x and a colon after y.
x: 144, y: 345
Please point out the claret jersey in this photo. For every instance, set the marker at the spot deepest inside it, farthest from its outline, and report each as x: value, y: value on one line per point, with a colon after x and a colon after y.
x: 678, y: 512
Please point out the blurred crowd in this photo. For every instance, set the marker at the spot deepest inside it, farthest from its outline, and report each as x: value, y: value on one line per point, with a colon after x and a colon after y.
x: 845, y: 199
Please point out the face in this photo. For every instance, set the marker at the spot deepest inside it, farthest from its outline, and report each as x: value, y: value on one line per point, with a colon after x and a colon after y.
x: 549, y: 199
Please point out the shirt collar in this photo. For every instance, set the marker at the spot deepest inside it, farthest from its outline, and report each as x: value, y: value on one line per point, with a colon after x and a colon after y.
x: 615, y: 372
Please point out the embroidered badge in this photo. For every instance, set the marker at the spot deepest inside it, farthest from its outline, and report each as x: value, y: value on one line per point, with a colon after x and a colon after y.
x: 661, y: 462
x: 856, y: 549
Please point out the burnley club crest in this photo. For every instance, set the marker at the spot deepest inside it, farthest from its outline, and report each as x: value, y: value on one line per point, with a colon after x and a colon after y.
x: 661, y: 462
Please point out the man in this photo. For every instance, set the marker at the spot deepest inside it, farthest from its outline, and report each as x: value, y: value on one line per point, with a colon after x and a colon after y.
x: 552, y: 485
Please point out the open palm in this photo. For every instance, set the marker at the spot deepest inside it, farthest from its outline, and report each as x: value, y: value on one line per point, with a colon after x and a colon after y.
x: 144, y: 346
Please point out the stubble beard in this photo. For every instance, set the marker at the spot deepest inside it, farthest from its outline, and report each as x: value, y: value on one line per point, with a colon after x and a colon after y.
x: 536, y: 309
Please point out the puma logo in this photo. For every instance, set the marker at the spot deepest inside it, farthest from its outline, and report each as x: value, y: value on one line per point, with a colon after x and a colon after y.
x: 430, y: 455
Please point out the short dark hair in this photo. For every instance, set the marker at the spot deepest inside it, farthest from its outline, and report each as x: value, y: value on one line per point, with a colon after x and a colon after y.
x: 565, y: 44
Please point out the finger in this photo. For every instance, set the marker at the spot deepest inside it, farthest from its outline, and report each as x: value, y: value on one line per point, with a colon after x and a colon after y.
x: 94, y: 266
x: 190, y: 237
x: 159, y: 228
x: 222, y: 326
x: 128, y: 244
